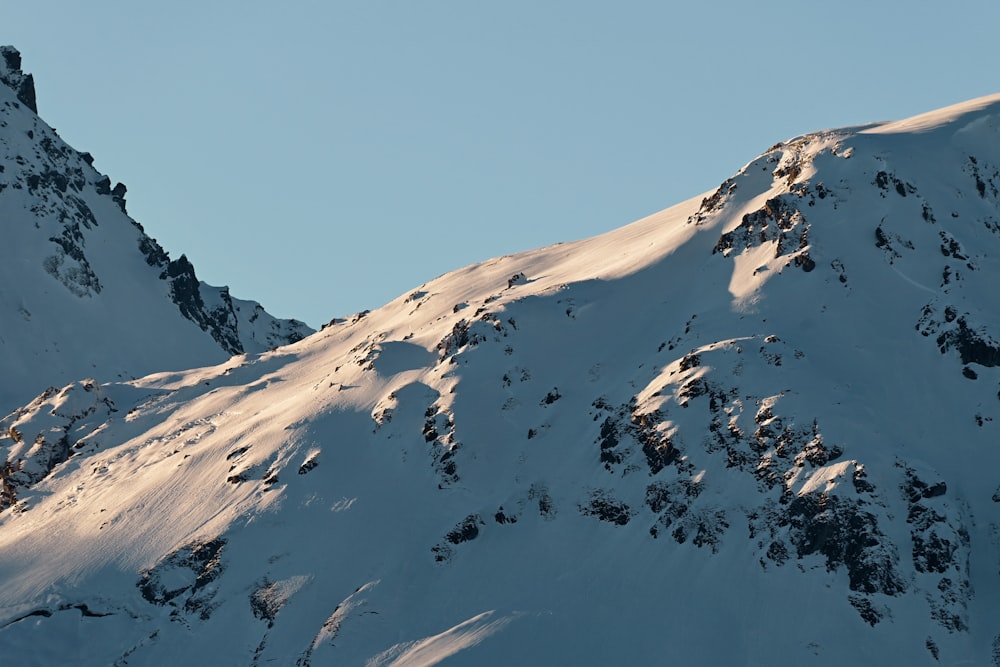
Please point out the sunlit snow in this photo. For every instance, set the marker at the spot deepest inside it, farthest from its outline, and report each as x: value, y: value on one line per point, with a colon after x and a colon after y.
x: 755, y: 428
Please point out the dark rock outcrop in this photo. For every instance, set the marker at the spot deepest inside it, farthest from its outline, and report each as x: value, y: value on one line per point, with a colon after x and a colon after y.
x: 11, y: 76
x: 183, y: 579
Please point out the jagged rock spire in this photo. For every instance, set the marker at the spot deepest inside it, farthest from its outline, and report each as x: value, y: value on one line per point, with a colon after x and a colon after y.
x: 11, y: 75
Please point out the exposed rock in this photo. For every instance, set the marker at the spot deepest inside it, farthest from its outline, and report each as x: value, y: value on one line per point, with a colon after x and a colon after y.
x: 118, y: 195
x: 607, y: 508
x: 848, y: 536
x: 47, y: 432
x: 11, y: 76
x: 465, y: 531
x: 779, y: 222
x: 974, y: 347
x: 184, y: 578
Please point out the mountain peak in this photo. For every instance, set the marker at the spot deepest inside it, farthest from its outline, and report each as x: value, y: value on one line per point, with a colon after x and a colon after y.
x: 86, y: 291
x: 11, y: 76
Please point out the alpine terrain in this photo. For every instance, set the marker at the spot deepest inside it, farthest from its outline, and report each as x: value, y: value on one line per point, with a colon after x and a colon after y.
x: 759, y: 427
x: 85, y: 290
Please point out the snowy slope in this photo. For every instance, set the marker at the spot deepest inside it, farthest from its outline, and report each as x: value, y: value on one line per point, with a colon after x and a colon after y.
x: 758, y: 427
x: 85, y: 291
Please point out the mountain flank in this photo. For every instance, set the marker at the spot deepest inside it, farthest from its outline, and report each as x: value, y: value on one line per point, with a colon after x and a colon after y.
x: 758, y: 427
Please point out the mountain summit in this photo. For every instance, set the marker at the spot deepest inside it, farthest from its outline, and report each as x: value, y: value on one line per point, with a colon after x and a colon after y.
x: 758, y: 427
x: 86, y: 291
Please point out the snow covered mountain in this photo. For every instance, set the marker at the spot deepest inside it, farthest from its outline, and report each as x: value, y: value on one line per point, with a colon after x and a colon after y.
x: 85, y: 291
x: 758, y: 427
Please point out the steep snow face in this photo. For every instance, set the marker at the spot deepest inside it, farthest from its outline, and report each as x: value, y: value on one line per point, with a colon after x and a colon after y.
x: 86, y: 291
x: 769, y: 412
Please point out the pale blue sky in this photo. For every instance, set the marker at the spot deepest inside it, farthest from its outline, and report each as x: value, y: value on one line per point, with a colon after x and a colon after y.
x: 323, y: 157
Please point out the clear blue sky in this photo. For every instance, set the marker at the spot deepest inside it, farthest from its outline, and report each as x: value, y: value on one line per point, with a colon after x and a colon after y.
x: 323, y: 157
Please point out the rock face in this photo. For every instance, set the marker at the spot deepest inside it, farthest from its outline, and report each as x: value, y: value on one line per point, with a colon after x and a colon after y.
x: 766, y: 413
x: 87, y: 293
x: 11, y: 76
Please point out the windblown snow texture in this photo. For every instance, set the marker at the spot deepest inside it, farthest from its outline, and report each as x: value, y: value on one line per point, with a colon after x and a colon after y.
x: 755, y: 428
x: 86, y: 291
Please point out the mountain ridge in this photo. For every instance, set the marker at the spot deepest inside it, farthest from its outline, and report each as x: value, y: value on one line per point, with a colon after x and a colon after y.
x: 765, y: 413
x: 89, y: 292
